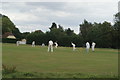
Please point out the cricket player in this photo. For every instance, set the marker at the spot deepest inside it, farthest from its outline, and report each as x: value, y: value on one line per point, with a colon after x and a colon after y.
x: 56, y: 44
x: 73, y: 46
x: 93, y: 46
x: 33, y: 44
x: 43, y: 44
x: 50, y: 46
x: 17, y: 43
x: 87, y: 46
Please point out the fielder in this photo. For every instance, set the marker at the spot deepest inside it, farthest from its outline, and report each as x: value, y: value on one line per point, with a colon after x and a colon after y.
x: 17, y: 43
x: 43, y: 44
x: 73, y: 46
x: 33, y: 44
x: 50, y: 46
x: 56, y: 44
x: 87, y: 47
x: 93, y: 46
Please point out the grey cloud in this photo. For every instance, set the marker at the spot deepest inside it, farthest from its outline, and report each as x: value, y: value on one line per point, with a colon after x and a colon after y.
x: 48, y: 5
x: 68, y: 14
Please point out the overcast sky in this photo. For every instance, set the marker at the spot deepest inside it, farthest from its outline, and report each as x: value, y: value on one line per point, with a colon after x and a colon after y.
x: 31, y: 16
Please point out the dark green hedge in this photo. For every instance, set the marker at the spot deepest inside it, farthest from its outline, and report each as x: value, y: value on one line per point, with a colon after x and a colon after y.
x: 7, y: 40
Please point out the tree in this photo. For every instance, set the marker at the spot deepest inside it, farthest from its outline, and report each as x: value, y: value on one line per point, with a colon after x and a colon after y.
x: 101, y: 33
x: 61, y: 28
x: 104, y: 37
x: 116, y: 32
x: 117, y: 17
x: 54, y: 26
x: 69, y: 32
x: 17, y: 33
x: 117, y: 21
x: 38, y: 37
x: 8, y: 26
x: 84, y: 29
x: 0, y: 24
x: 25, y: 34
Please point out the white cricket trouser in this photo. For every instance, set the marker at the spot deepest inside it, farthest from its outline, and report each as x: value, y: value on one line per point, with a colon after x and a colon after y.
x: 87, y: 49
x: 17, y: 44
x: 92, y: 48
x: 55, y: 46
x: 74, y: 48
x: 50, y: 47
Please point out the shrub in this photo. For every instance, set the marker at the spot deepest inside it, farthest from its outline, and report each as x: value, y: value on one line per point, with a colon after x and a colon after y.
x: 8, y: 69
x: 28, y: 74
x: 7, y: 40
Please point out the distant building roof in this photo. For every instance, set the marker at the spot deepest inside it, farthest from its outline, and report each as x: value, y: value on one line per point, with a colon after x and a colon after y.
x: 23, y: 40
x: 11, y: 37
x: 8, y: 35
x: 38, y: 31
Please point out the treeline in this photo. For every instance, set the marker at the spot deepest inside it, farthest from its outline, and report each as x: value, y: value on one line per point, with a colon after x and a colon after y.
x: 103, y: 34
x: 56, y: 34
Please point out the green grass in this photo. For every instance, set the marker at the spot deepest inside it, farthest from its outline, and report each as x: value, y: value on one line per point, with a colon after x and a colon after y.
x: 63, y: 60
